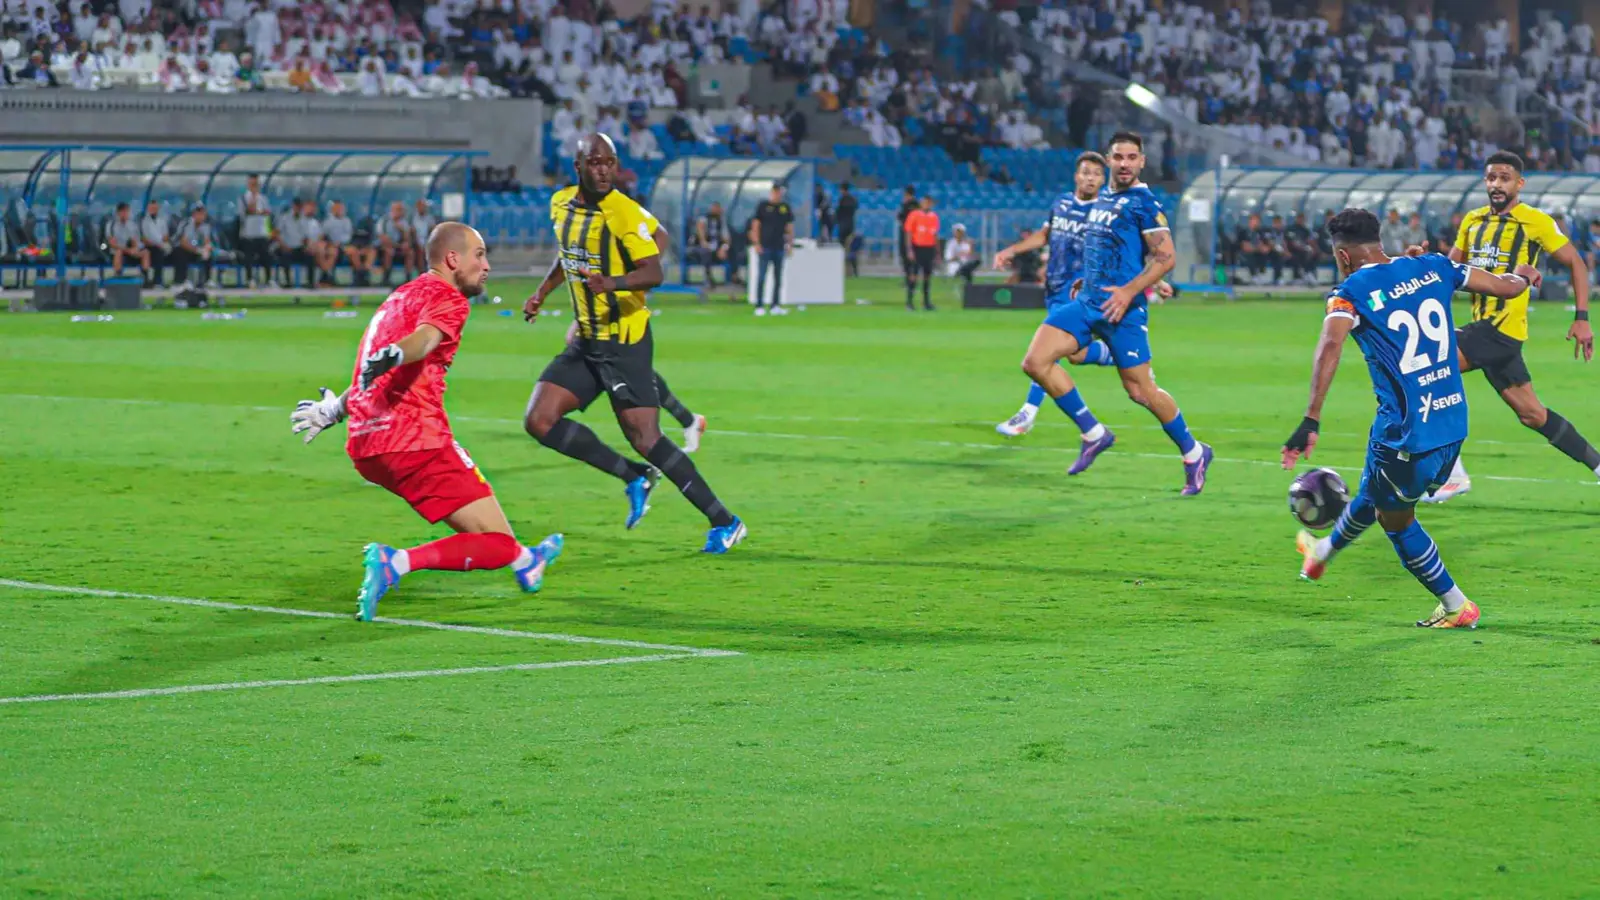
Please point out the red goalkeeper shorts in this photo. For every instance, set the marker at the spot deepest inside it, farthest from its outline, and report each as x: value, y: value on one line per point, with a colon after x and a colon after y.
x: 435, y: 482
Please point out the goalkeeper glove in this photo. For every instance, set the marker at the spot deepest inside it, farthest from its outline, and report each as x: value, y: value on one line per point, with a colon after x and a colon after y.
x: 312, y: 416
x: 378, y: 363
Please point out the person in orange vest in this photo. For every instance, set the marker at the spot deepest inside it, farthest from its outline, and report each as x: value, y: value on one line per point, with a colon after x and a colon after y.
x: 922, y: 249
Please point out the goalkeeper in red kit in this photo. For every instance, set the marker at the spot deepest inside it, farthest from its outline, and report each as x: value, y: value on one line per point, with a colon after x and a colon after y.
x: 400, y: 437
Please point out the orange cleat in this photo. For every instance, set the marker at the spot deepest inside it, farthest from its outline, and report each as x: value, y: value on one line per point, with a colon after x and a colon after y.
x: 1465, y: 617
x: 1311, y: 568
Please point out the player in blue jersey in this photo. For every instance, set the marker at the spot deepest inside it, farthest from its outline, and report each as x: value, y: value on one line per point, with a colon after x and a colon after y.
x: 1127, y: 249
x: 1398, y: 310
x: 1063, y: 233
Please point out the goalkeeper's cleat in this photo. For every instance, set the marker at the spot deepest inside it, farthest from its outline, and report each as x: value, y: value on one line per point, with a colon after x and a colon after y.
x: 692, y: 434
x: 1311, y: 568
x: 638, y: 491
x: 546, y: 552
x: 1019, y: 424
x: 380, y: 576
x: 722, y: 538
x: 1465, y: 617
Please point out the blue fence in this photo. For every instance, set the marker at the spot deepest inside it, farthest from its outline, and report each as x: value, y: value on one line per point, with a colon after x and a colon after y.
x: 55, y: 200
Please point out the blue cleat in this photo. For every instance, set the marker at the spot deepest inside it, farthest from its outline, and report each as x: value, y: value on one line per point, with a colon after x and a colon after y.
x: 722, y: 539
x: 1194, y: 474
x: 379, y: 578
x: 1090, y: 451
x: 638, y: 491
x: 546, y: 552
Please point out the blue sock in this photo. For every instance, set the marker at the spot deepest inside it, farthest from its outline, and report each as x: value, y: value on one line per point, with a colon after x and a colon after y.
x: 1421, y: 558
x: 1073, y: 405
x: 1178, y: 430
x: 1356, y: 518
x: 1098, y: 354
x: 1035, y: 395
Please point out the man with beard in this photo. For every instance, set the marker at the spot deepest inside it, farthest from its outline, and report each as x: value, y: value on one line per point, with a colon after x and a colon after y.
x: 1498, y: 238
x: 1127, y: 249
x: 607, y: 255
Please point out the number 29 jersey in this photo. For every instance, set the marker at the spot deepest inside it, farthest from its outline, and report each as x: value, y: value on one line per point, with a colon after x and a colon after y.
x: 1404, y: 328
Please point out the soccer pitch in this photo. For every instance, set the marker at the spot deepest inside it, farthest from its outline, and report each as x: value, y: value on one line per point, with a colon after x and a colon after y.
x: 937, y: 667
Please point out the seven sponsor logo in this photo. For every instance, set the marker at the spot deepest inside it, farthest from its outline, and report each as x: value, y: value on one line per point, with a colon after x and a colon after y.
x: 1431, y: 405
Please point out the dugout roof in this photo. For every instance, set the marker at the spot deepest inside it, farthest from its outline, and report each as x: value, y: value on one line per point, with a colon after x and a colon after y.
x: 689, y: 185
x: 1437, y: 195
x: 96, y: 178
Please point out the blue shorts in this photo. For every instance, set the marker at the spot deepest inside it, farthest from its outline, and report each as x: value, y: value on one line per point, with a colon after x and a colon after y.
x: 1128, y: 339
x: 1396, y: 480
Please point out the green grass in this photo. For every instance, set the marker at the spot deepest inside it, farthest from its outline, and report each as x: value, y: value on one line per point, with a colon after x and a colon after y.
x: 962, y: 673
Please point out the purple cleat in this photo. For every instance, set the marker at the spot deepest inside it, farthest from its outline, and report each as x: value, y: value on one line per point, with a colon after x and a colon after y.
x: 1194, y: 474
x: 1090, y: 450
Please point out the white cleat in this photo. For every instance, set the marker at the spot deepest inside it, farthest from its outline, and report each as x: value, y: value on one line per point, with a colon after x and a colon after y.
x: 691, y: 435
x: 761, y: 310
x: 780, y: 310
x: 1451, y: 488
x: 1018, y: 425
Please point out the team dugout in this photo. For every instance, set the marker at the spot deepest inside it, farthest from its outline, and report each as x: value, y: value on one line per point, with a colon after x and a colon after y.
x: 1210, y: 223
x: 57, y: 204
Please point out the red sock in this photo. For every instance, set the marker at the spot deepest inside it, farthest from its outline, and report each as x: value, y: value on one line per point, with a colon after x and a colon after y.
x: 465, y: 552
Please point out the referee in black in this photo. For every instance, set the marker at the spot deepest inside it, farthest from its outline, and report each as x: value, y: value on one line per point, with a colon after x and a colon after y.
x: 773, y: 236
x: 908, y: 205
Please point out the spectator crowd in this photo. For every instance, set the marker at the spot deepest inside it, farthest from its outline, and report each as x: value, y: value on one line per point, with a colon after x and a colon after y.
x: 1373, y: 93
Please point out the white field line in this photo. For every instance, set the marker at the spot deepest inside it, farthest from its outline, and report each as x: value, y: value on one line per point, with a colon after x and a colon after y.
x: 413, y: 623
x: 782, y: 436
x: 874, y: 420
x: 344, y: 679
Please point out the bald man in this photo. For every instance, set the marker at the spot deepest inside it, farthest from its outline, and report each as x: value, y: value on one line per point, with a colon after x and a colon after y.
x: 400, y: 437
x: 608, y: 258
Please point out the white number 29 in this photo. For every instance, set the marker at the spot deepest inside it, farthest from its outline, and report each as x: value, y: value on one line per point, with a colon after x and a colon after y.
x: 1430, y: 322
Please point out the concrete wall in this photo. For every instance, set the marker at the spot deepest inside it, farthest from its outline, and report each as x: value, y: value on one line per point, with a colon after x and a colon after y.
x: 508, y: 130
x: 719, y: 86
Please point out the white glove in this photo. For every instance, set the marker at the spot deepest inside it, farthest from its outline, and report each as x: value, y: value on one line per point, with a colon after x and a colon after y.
x: 312, y: 416
x: 378, y: 363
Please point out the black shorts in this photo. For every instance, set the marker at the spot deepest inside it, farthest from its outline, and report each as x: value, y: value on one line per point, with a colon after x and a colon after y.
x: 922, y: 261
x: 624, y: 371
x: 1500, y: 357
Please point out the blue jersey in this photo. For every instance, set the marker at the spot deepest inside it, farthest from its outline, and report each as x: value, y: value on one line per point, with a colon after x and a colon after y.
x: 1113, y: 244
x: 1404, y: 328
x: 1067, y: 217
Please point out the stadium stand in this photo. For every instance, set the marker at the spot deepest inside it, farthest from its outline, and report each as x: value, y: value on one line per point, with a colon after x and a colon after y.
x: 988, y: 129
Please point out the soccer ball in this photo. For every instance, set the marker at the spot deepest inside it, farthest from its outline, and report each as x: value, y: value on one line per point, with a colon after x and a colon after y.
x: 1318, y: 497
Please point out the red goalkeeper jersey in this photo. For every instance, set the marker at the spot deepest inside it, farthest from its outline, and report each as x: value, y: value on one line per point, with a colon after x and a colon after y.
x: 404, y: 409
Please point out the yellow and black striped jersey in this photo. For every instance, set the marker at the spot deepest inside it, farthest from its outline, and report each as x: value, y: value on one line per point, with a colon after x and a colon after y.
x: 1498, y: 243
x: 610, y: 237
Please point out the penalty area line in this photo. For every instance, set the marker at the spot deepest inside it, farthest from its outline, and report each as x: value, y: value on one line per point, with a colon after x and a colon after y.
x: 384, y: 620
x: 344, y: 679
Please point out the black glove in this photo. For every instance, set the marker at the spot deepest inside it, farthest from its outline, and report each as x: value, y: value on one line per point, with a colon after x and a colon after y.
x: 1301, y: 439
x: 378, y: 363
